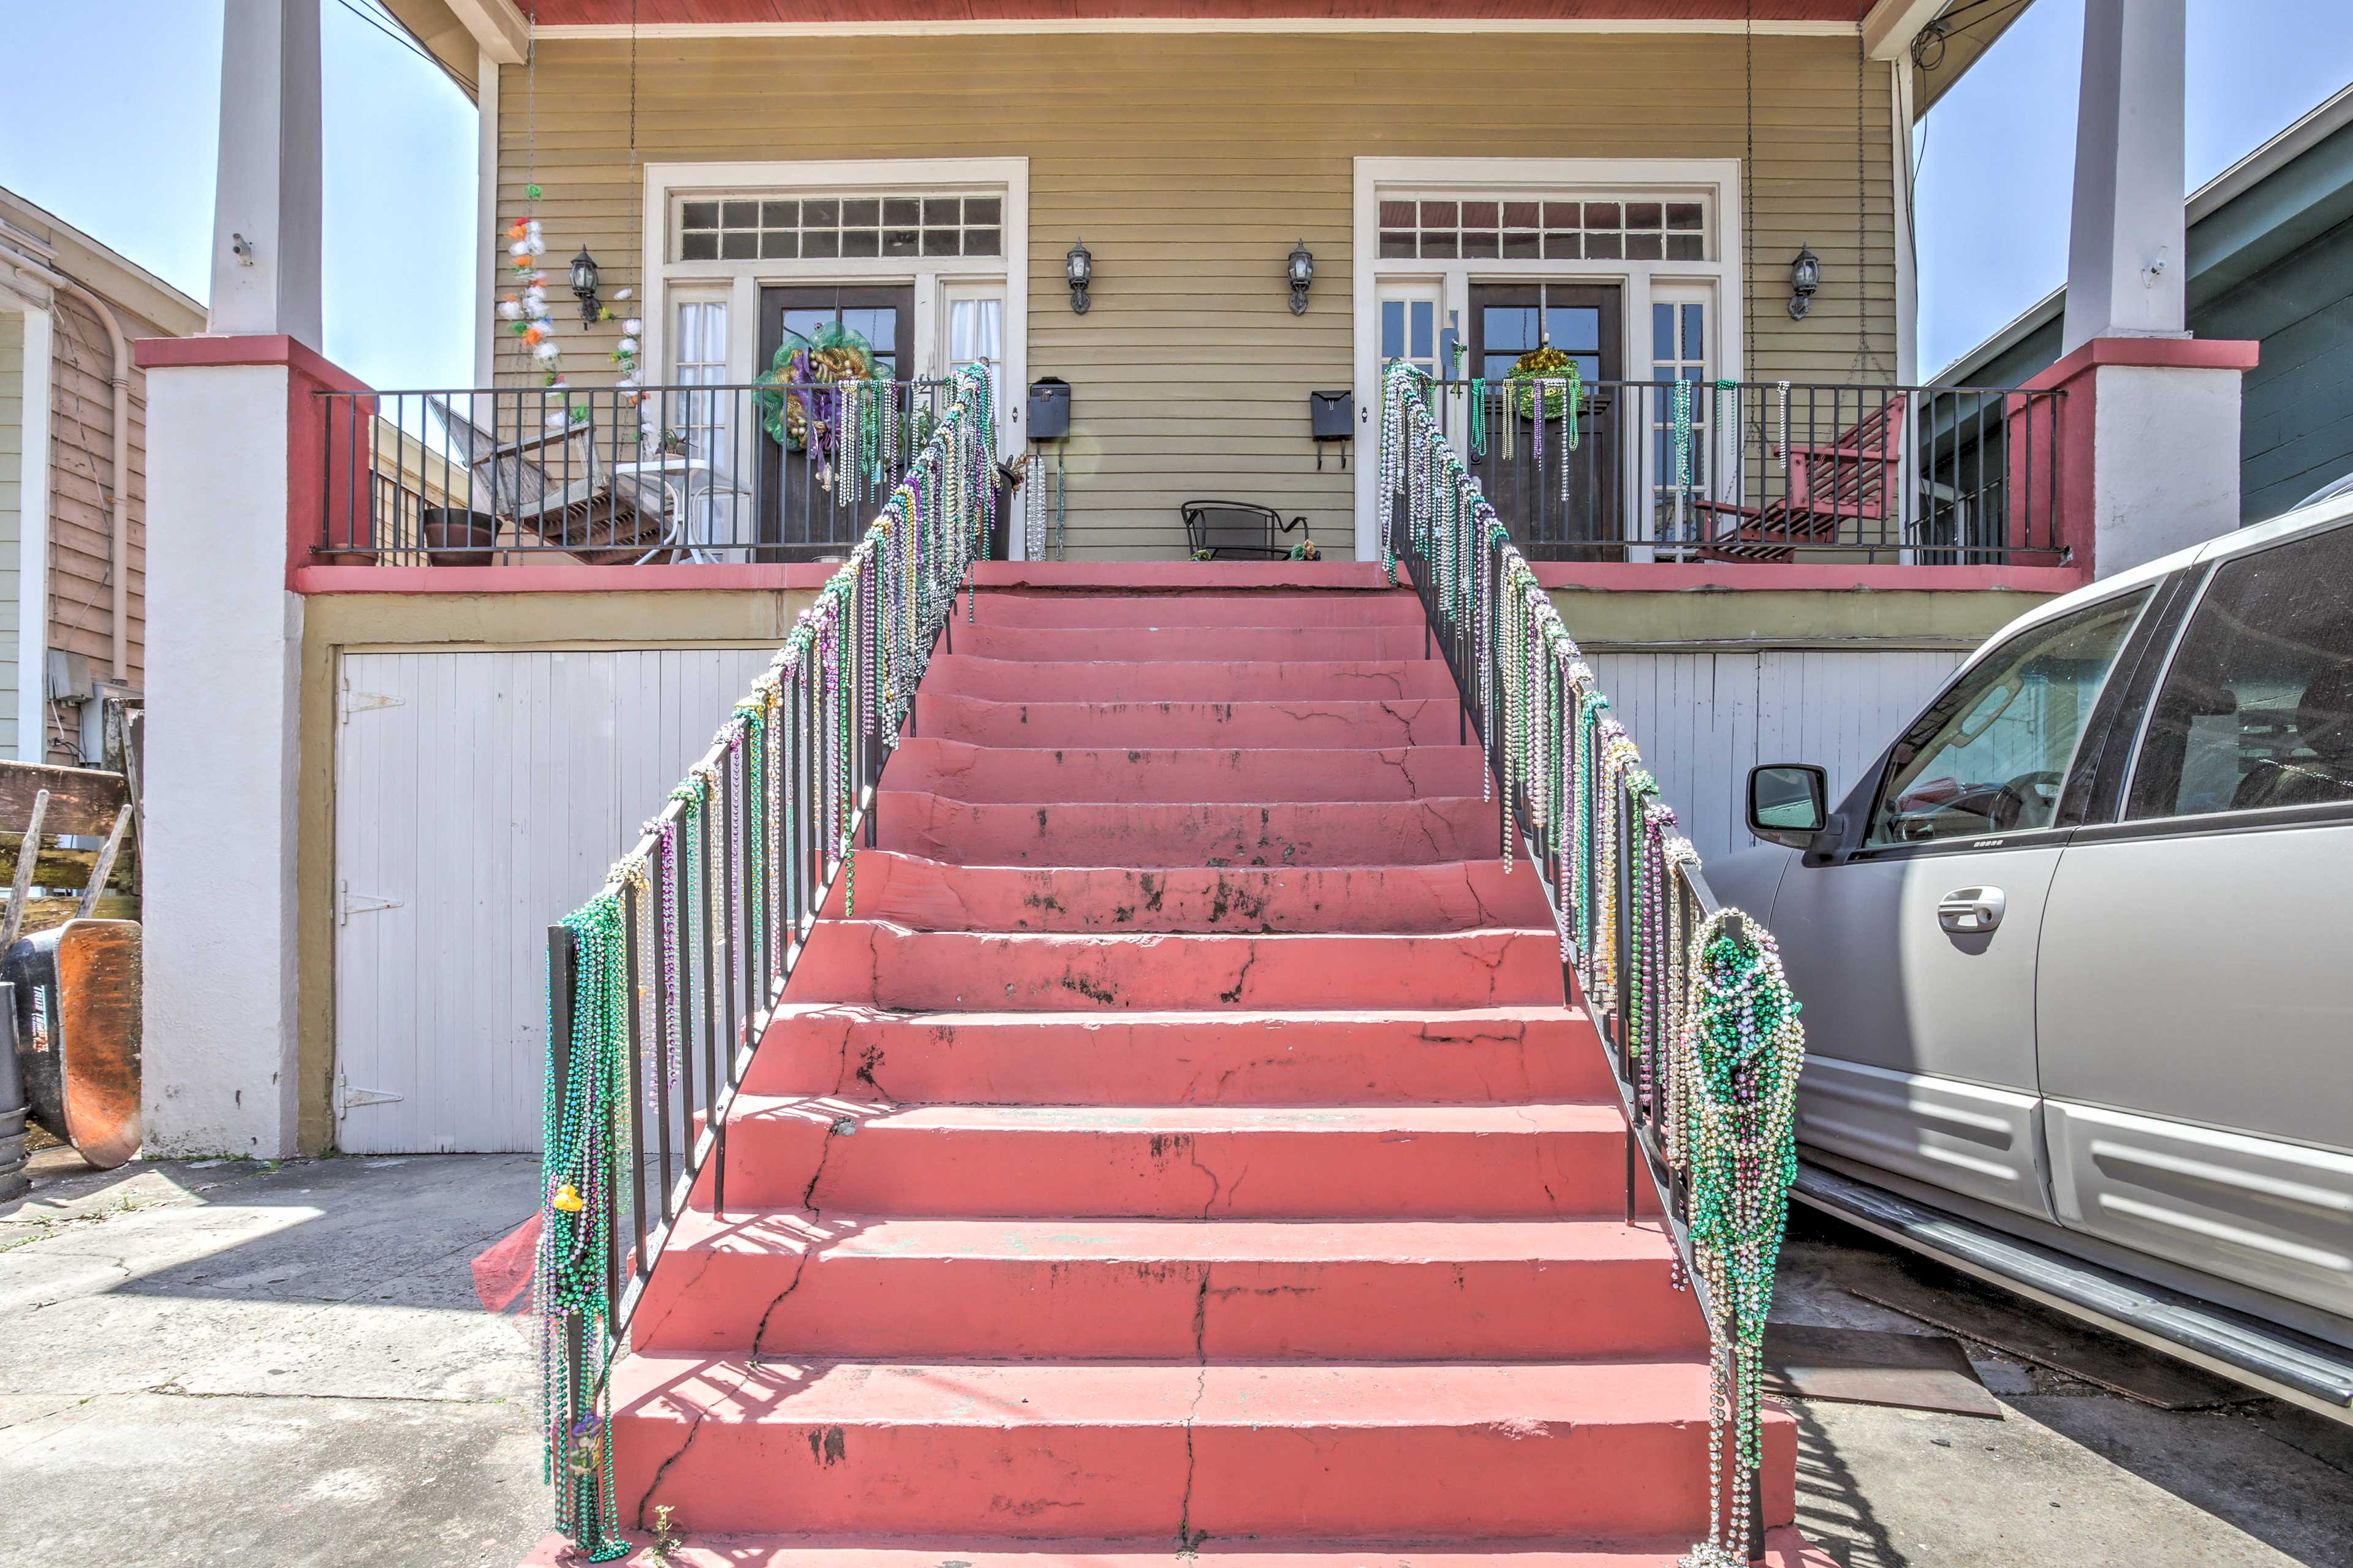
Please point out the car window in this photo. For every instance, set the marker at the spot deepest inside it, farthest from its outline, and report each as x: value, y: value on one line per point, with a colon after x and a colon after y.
x: 1991, y: 754
x: 2256, y: 708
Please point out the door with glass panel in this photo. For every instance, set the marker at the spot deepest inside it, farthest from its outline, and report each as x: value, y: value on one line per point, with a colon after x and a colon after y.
x: 1916, y: 944
x: 1680, y: 410
x: 1552, y: 478
x: 805, y: 512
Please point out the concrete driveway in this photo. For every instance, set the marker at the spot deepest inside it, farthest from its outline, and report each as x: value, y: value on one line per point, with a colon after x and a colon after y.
x: 229, y: 1362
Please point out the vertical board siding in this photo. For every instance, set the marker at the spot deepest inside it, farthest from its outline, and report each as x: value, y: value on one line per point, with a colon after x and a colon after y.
x: 1704, y: 719
x: 1191, y: 163
x: 489, y: 797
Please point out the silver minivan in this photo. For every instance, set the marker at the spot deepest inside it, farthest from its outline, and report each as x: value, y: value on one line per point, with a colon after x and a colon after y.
x: 2076, y: 958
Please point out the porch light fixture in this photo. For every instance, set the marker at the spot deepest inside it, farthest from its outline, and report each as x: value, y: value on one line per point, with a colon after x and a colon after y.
x: 1805, y: 278
x: 1079, y: 271
x: 1300, y: 270
x: 584, y: 284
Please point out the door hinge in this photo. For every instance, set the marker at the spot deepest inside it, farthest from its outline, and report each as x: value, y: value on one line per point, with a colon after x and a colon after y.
x: 367, y: 702
x: 348, y: 903
x: 347, y: 1097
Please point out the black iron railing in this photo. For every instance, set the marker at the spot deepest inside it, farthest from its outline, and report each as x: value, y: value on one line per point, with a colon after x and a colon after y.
x: 1691, y: 469
x: 1624, y: 887
x: 643, y: 475
x: 660, y: 986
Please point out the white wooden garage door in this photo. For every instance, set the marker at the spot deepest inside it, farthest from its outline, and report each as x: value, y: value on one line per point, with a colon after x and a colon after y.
x: 1703, y: 719
x: 478, y: 798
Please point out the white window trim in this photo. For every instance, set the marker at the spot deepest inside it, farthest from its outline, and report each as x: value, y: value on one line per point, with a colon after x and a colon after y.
x: 1716, y: 181
x: 931, y: 276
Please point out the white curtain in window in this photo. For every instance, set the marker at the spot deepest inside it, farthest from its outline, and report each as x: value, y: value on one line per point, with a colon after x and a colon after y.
x: 975, y: 332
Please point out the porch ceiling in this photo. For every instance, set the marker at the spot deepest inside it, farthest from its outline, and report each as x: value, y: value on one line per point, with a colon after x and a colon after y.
x: 652, y: 13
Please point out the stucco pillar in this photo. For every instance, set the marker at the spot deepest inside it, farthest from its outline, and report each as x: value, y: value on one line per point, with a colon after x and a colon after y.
x: 266, y: 255
x: 237, y: 455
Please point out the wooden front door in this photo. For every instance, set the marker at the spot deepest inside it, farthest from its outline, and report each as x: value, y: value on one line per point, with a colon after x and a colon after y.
x: 1553, y: 515
x: 800, y: 518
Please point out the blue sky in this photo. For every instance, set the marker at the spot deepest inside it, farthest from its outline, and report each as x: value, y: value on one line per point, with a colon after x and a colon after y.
x: 112, y: 129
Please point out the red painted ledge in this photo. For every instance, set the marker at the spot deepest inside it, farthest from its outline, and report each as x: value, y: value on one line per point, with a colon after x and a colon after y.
x: 214, y: 350
x: 569, y: 578
x: 2176, y: 354
x: 1802, y: 577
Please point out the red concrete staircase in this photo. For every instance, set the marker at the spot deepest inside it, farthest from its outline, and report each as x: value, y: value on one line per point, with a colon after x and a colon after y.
x: 1184, y: 1145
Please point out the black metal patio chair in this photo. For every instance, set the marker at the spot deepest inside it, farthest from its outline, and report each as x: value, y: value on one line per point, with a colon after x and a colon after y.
x: 1237, y: 531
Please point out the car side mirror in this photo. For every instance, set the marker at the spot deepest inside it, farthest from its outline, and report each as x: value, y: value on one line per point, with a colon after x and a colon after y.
x: 1789, y: 803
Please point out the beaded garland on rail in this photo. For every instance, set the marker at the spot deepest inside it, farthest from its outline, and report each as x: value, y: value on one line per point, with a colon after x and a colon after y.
x: 1731, y: 1095
x: 1712, y: 1044
x: 853, y: 660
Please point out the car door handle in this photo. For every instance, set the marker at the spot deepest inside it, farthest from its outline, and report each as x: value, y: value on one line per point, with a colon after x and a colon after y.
x: 1970, y: 911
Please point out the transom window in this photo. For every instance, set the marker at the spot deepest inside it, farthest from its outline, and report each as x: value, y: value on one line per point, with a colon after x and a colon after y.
x: 745, y: 228
x: 1529, y: 228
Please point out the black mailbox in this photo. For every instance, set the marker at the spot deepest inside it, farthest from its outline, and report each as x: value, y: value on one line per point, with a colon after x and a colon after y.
x: 1050, y: 409
x: 1334, y: 414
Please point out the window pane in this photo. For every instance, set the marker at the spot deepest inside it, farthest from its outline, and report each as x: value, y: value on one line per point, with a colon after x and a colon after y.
x: 860, y: 214
x: 1479, y: 215
x: 1438, y: 214
x: 986, y: 212
x: 780, y: 243
x: 826, y: 244
x: 739, y: 215
x: 976, y: 332
x: 1663, y: 331
x: 982, y: 241
x: 899, y: 242
x: 1397, y: 245
x: 1601, y: 246
x: 902, y: 210
x: 1561, y: 248
x: 780, y: 215
x: 1684, y: 247
x: 940, y: 210
x: 1683, y: 215
x: 698, y: 247
x: 1644, y: 247
x: 741, y: 246
x: 1696, y: 332
x: 2257, y: 708
x: 1392, y: 329
x: 1991, y: 755
x: 1523, y: 247
x: 860, y: 242
x: 1643, y: 215
x: 1439, y: 245
x: 1425, y: 329
x: 1601, y: 215
x: 940, y: 242
x: 1575, y: 329
x: 1520, y: 215
x: 699, y: 214
x: 1478, y: 245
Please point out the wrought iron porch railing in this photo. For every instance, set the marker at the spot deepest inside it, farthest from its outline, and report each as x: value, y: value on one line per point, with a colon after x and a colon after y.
x: 1707, y: 1092
x: 1683, y: 470
x: 654, y: 475
x: 659, y: 986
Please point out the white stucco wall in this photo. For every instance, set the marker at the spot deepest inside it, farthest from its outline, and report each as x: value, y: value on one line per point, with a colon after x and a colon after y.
x: 2166, y: 442
x: 224, y: 637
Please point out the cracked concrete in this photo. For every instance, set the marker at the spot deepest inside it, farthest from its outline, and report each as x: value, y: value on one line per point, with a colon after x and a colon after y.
x: 226, y: 1361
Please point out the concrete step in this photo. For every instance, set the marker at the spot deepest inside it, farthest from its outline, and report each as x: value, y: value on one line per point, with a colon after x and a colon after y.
x: 1271, y: 642
x: 1385, y: 608
x: 934, y: 895
x: 789, y: 1283
x: 1181, y: 680
x: 1178, y: 1449
x: 1379, y: 1162
x: 1070, y: 773
x: 1784, y: 1548
x: 873, y: 961
x: 1351, y: 724
x: 1165, y: 835
x: 1402, y: 1056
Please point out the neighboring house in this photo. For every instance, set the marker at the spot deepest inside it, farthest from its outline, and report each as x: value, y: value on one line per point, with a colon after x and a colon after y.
x: 73, y: 516
x: 2270, y: 259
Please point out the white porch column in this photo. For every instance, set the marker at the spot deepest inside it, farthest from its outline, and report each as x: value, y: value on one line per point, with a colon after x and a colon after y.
x: 266, y: 255
x: 2125, y: 251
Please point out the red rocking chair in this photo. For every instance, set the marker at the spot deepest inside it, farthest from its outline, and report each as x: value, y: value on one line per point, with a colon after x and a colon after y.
x: 1852, y: 480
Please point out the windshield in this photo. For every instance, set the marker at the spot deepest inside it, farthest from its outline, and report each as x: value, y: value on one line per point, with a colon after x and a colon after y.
x: 1989, y: 756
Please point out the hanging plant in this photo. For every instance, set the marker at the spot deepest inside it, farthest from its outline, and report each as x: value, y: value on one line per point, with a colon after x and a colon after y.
x: 1540, y: 365
x: 526, y: 310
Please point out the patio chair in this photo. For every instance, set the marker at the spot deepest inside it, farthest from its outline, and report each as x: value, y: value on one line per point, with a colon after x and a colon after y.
x: 1237, y: 531
x: 558, y: 487
x: 1852, y: 480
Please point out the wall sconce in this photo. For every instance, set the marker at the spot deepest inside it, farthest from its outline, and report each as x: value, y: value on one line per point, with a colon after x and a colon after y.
x: 1079, y: 271
x: 1805, y: 278
x: 1300, y: 270
x: 584, y: 285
